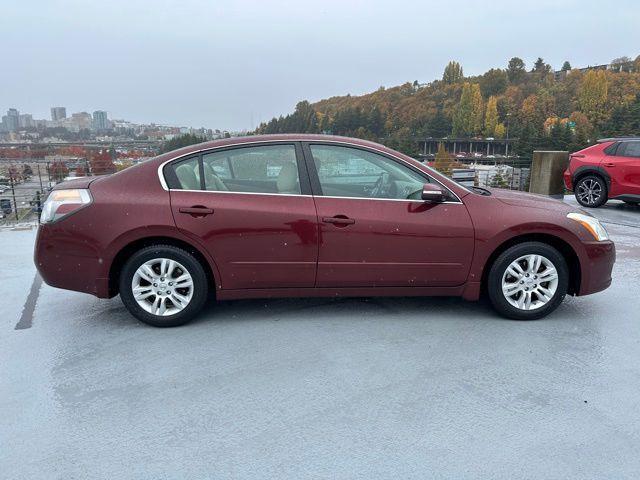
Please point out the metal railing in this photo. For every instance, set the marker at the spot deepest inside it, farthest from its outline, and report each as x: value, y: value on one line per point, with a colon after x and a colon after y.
x: 25, y: 185
x: 500, y: 172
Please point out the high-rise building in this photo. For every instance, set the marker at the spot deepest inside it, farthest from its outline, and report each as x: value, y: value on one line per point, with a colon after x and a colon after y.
x: 58, y: 113
x: 11, y: 121
x: 82, y: 120
x: 100, y: 121
x: 25, y: 120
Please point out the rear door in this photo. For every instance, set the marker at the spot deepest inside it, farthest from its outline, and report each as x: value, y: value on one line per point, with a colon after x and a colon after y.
x: 374, y: 228
x: 624, y: 169
x: 251, y: 207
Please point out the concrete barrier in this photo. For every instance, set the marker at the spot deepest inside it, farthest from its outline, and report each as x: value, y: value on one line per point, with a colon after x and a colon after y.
x: 546, y: 173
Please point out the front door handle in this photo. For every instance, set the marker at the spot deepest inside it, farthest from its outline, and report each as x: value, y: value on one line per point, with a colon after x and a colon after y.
x: 196, y: 211
x: 341, y: 220
x: 609, y: 165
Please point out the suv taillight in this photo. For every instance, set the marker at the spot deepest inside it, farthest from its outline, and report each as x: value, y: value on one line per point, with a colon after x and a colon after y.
x: 61, y: 203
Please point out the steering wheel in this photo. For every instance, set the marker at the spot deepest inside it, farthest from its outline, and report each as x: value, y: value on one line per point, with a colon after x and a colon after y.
x: 384, y: 187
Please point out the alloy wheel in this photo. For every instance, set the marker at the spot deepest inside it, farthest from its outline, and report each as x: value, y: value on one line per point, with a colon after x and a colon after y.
x: 162, y: 286
x: 530, y: 282
x: 589, y: 191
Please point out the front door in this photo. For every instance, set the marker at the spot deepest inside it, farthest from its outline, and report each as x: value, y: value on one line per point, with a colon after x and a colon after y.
x: 375, y: 230
x: 251, y: 208
x: 624, y: 169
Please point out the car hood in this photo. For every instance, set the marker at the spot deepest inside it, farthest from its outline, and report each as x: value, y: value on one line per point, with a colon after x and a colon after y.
x: 523, y: 199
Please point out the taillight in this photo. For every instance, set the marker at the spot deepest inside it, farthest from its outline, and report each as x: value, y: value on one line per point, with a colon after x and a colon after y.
x: 63, y: 202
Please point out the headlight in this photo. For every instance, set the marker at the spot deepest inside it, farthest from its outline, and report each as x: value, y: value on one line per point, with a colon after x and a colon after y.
x: 63, y: 202
x: 592, y: 224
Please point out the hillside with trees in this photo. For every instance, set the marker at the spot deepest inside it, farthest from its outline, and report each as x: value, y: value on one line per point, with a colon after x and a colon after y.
x: 564, y: 110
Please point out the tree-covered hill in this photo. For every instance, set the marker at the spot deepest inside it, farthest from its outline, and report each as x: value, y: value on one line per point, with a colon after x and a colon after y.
x: 543, y: 109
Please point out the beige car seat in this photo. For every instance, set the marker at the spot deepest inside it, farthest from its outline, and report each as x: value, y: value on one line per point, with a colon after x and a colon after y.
x: 288, y: 179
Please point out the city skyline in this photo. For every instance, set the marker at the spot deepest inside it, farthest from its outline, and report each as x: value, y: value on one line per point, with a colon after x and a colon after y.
x: 98, y: 120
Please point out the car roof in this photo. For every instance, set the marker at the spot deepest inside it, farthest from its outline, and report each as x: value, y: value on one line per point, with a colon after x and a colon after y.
x: 292, y: 137
x: 618, y: 139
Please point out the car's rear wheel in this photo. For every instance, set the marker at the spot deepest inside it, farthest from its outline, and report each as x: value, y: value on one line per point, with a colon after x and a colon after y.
x: 528, y: 281
x: 163, y: 286
x: 591, y: 191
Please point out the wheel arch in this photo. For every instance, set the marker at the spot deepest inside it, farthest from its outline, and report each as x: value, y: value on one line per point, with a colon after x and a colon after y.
x: 130, y: 248
x: 585, y: 170
x: 567, y: 251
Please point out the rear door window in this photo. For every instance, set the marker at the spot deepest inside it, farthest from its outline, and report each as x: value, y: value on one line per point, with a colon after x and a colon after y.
x: 629, y: 149
x: 261, y: 169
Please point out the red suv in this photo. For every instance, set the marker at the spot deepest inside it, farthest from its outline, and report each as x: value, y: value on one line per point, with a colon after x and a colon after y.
x: 310, y: 215
x: 608, y: 170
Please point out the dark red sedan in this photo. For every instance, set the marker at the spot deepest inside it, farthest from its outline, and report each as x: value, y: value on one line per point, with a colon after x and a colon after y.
x: 311, y: 215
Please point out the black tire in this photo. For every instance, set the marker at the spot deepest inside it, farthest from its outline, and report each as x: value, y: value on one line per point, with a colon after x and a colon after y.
x: 591, y: 183
x: 502, y: 263
x: 200, y: 287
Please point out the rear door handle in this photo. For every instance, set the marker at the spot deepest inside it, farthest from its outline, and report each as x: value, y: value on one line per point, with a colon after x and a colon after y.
x: 610, y: 165
x: 339, y: 220
x: 196, y: 211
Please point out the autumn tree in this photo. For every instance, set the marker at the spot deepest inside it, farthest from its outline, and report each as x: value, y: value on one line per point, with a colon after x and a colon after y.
x: 102, y: 163
x: 452, y: 73
x: 491, y: 117
x: 443, y: 160
x: 58, y: 171
x: 592, y: 96
x: 477, y: 112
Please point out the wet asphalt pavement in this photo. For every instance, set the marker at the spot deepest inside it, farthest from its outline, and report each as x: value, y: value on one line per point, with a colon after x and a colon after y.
x: 349, y: 389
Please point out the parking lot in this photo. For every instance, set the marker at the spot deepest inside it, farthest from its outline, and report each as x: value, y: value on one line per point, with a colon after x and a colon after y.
x: 321, y: 388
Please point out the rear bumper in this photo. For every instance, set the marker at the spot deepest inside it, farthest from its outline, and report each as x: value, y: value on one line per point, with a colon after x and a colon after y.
x: 596, y: 267
x: 68, y: 261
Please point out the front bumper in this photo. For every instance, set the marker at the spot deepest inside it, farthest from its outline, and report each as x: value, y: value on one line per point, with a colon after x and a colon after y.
x: 69, y: 261
x: 596, y: 267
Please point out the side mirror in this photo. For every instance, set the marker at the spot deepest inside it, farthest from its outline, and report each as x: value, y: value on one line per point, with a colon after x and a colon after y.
x: 433, y: 193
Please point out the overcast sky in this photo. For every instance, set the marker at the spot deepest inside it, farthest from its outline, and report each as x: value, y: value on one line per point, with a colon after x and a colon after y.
x: 230, y: 64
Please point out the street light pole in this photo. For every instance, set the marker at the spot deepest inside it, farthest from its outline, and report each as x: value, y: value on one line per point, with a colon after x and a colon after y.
x: 506, y: 145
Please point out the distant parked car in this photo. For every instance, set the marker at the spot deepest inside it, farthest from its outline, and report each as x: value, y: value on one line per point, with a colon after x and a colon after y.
x: 310, y: 216
x: 608, y: 170
x: 5, y: 206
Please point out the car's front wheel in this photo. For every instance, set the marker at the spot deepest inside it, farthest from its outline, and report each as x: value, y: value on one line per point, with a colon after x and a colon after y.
x: 591, y: 191
x: 528, y: 281
x: 163, y: 286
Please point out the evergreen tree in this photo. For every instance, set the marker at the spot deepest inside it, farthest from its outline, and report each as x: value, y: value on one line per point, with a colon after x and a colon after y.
x: 566, y: 66
x: 182, y: 141
x: 516, y: 70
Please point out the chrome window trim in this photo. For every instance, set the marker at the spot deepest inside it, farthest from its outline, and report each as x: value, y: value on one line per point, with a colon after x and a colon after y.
x: 314, y: 141
x: 240, y: 193
x: 309, y: 196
